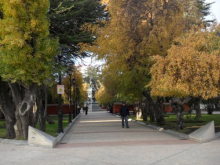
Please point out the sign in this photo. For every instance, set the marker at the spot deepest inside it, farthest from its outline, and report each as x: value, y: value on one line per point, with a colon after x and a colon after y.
x: 60, y: 89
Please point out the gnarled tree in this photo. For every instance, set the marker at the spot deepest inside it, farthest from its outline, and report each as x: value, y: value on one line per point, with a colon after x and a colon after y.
x: 26, y: 55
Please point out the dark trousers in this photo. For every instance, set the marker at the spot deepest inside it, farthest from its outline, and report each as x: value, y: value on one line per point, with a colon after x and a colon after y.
x: 124, y: 118
x: 86, y: 112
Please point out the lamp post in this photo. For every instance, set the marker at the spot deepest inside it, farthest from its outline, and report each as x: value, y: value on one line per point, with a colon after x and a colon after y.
x: 77, y: 97
x: 70, y: 71
x: 60, y: 113
x: 74, y: 96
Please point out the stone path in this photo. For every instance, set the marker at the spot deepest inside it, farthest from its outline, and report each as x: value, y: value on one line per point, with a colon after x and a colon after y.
x: 98, y: 139
x: 104, y: 129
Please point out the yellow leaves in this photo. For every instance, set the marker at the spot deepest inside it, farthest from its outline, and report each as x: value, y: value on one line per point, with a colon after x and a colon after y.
x: 189, y: 69
x: 34, y: 23
x: 22, y: 72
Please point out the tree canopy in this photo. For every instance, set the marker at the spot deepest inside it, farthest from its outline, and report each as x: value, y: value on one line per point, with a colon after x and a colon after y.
x: 192, y: 67
x: 67, y: 18
x: 136, y: 31
x: 26, y: 50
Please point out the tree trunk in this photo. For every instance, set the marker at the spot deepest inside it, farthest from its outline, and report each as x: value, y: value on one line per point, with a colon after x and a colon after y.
x: 151, y: 112
x: 159, y: 113
x: 41, y: 113
x: 210, y: 108
x: 155, y: 108
x: 144, y: 111
x: 24, y: 98
x: 197, y: 107
x: 178, y: 106
x: 179, y: 109
x: 7, y: 108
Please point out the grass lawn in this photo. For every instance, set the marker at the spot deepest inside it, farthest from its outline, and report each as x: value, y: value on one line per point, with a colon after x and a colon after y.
x: 191, y: 123
x: 2, y: 129
x: 51, y: 129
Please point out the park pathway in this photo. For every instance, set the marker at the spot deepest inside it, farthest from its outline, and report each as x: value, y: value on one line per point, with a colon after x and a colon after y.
x: 104, y: 129
x: 98, y: 139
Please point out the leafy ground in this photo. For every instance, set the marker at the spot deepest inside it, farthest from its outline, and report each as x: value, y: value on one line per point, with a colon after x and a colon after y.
x: 51, y: 129
x: 191, y: 123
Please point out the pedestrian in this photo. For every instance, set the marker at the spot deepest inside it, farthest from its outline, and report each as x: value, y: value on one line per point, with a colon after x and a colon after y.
x: 124, y: 112
x: 86, y: 109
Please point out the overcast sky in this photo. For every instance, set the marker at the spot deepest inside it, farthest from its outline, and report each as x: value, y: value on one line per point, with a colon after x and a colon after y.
x: 215, y: 9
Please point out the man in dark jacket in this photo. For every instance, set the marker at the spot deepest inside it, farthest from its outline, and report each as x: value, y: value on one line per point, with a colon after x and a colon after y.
x: 86, y: 109
x: 124, y: 112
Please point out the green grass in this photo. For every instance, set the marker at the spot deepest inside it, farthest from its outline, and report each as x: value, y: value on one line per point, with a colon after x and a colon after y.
x: 51, y: 129
x: 191, y: 123
x: 2, y: 129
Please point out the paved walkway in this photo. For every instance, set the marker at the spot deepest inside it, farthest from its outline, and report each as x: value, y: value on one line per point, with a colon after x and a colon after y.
x: 99, y: 139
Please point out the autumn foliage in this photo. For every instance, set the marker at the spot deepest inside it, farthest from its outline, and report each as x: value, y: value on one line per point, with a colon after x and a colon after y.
x: 192, y: 67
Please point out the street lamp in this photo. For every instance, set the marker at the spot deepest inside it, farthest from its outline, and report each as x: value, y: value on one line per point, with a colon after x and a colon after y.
x: 74, y: 96
x: 70, y: 71
x: 60, y: 113
x: 77, y: 97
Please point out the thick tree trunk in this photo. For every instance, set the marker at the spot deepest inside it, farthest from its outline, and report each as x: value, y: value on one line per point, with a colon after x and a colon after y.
x: 7, y: 108
x: 197, y: 107
x: 159, y: 113
x: 155, y: 108
x: 24, y: 99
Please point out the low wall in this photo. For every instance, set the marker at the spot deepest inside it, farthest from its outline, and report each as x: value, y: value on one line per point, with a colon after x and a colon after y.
x: 52, y: 109
x: 169, y: 108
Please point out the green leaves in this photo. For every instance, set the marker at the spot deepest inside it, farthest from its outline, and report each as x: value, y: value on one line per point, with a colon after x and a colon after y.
x: 27, y: 52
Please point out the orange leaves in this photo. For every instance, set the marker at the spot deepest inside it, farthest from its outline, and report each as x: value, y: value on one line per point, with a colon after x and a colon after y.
x: 190, y: 69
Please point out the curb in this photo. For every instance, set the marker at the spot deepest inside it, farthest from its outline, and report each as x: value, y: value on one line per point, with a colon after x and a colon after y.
x: 178, y: 134
x: 61, y: 135
x: 182, y: 135
x: 25, y: 142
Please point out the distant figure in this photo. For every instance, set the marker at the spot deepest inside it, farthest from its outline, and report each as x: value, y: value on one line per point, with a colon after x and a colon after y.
x: 86, y: 109
x: 124, y: 112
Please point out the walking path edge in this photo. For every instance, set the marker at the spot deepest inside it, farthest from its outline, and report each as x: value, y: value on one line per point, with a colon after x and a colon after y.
x: 25, y: 142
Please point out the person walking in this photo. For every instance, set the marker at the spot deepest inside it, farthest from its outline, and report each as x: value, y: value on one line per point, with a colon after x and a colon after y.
x: 86, y: 109
x: 124, y: 112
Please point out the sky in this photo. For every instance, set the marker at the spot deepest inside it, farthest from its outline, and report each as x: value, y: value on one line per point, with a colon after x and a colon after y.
x: 215, y: 9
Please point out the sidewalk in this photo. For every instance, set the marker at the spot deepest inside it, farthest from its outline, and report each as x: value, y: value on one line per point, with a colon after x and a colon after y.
x: 99, y: 139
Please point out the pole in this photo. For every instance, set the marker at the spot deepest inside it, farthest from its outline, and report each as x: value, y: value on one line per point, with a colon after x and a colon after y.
x: 60, y: 113
x: 75, y: 108
x: 70, y: 99
x: 77, y: 98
